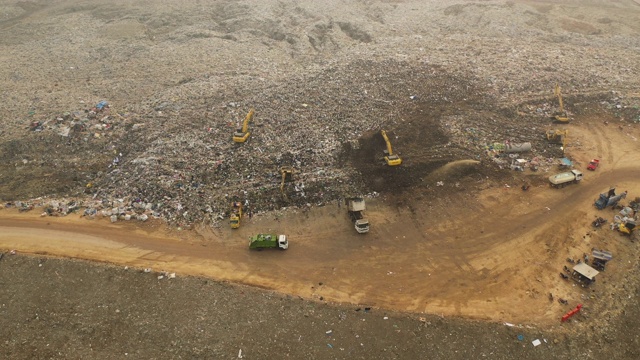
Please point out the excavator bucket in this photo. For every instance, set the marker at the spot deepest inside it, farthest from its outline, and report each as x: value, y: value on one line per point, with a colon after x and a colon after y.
x: 562, y: 118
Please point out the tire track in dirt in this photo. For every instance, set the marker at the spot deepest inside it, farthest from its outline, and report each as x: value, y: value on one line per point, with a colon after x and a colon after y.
x: 572, y: 198
x: 607, y: 143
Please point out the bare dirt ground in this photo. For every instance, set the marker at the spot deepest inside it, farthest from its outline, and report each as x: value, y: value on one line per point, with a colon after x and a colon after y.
x: 476, y: 247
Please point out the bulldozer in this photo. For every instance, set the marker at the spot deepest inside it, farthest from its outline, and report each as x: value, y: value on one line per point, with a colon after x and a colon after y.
x: 242, y: 134
x: 561, y: 115
x: 389, y: 157
x: 627, y: 227
x: 287, y: 176
x: 558, y: 137
x: 236, y: 214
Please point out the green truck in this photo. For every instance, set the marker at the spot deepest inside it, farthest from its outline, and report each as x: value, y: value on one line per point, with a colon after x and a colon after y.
x: 262, y: 241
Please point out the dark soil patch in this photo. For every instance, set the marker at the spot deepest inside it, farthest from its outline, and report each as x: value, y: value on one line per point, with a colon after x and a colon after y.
x: 64, y: 309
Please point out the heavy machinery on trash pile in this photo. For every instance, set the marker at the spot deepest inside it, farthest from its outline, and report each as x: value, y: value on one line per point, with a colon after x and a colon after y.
x: 356, y: 207
x: 561, y: 115
x: 389, y: 157
x: 609, y: 199
x: 558, y: 137
x: 236, y: 214
x: 286, y: 172
x: 242, y: 134
x: 265, y: 241
x: 565, y: 178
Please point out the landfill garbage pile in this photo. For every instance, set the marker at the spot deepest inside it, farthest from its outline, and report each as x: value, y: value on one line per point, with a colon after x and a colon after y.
x: 176, y: 161
x: 167, y: 89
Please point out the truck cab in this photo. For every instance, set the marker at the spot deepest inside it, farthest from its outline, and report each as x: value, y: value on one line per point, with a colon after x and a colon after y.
x: 282, y: 242
x: 362, y: 226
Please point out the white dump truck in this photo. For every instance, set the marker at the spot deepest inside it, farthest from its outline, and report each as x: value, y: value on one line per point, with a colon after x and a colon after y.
x: 356, y: 208
x: 565, y: 178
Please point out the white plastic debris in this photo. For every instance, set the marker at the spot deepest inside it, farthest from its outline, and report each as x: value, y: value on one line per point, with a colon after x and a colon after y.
x: 536, y: 342
x: 147, y: 270
x: 240, y: 354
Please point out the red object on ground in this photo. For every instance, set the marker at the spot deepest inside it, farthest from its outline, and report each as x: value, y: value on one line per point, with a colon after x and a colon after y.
x: 571, y: 313
x: 593, y: 164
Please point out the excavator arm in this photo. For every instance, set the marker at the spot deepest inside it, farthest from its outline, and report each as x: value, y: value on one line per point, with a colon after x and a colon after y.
x: 245, y: 124
x: 241, y: 135
x: 390, y: 158
x: 287, y: 176
x: 559, y: 95
x: 561, y: 116
x: 386, y: 140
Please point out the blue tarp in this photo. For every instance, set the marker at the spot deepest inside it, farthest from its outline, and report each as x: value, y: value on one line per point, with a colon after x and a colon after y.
x: 566, y: 162
x: 102, y: 104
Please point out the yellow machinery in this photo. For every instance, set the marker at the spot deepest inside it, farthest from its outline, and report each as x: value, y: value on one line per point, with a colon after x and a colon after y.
x: 389, y: 157
x: 287, y: 176
x: 561, y: 116
x: 236, y: 214
x: 241, y: 135
x: 558, y: 137
x: 627, y: 227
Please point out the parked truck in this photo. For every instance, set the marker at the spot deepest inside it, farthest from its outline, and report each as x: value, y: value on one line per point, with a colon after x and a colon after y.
x: 565, y: 178
x: 356, y: 207
x: 262, y: 241
x: 609, y: 199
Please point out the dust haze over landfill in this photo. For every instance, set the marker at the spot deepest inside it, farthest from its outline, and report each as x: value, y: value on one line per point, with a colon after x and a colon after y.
x: 117, y: 123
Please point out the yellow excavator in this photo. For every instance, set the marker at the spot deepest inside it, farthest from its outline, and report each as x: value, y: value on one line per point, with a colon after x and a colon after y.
x: 236, y: 214
x: 287, y: 176
x: 560, y: 116
x: 241, y: 135
x: 389, y: 157
x: 558, y: 137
